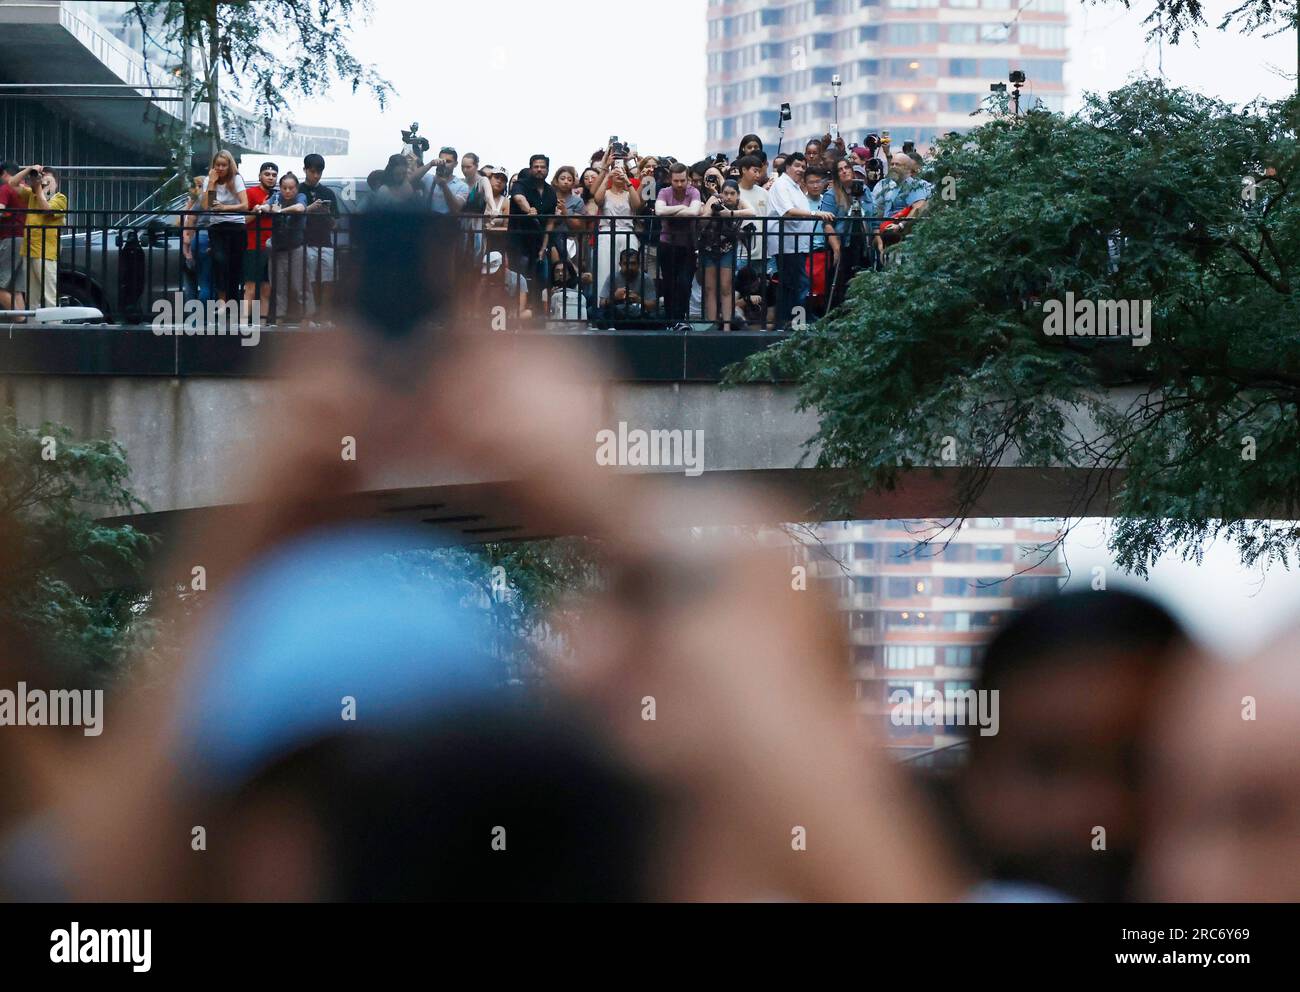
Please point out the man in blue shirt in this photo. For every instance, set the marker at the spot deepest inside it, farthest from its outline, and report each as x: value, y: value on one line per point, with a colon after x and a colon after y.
x: 896, y: 191
x: 447, y: 193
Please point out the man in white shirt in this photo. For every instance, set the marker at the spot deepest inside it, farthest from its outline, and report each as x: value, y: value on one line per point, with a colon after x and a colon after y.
x: 790, y: 230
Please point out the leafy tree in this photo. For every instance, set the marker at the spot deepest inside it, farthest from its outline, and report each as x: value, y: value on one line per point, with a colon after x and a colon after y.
x: 1173, y: 17
x: 1148, y: 194
x: 271, y: 50
x: 73, y: 580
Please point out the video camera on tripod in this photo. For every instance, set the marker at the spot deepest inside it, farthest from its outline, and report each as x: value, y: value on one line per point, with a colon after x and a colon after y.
x: 415, y: 143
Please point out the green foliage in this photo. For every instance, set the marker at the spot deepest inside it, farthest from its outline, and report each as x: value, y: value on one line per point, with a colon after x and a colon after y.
x: 271, y: 50
x: 1139, y: 196
x: 70, y: 572
x: 1172, y: 17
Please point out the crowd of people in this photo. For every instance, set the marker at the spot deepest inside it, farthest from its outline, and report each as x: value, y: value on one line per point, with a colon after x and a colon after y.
x: 240, y: 242
x: 629, y: 240
x: 648, y: 240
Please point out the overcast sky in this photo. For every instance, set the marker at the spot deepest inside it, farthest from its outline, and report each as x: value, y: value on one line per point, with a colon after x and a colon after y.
x: 510, y: 78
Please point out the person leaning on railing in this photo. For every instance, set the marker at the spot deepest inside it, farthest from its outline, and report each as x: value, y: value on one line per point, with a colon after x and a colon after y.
x: 196, y: 272
x: 38, y: 191
x: 289, y: 277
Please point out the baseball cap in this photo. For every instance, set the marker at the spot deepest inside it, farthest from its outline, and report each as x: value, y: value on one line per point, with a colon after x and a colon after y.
x: 492, y: 263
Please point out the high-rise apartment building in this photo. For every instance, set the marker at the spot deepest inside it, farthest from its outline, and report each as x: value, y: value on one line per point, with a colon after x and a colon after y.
x: 919, y: 615
x: 916, y: 68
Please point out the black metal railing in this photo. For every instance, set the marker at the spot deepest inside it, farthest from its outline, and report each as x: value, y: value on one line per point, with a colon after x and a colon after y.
x: 558, y: 272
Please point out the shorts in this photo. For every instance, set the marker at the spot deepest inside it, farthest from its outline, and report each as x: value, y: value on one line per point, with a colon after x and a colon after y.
x: 256, y: 266
x: 726, y: 261
x: 13, y: 266
x: 320, y: 263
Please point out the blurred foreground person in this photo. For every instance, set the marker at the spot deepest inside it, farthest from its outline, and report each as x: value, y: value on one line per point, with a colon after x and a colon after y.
x: 1225, y: 811
x: 1078, y: 676
x: 760, y: 785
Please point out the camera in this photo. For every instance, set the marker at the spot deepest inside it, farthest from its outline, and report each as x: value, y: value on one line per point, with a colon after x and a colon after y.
x: 997, y: 87
x: 419, y: 145
x: 716, y: 208
x: 1017, y: 76
x: 857, y: 188
x: 445, y: 169
x: 909, y: 147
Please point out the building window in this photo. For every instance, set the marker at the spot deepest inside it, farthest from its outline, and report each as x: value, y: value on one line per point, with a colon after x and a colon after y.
x: 959, y: 657
x: 770, y: 16
x: 963, y: 101
x: 989, y: 552
x: 963, y: 34
x: 963, y: 67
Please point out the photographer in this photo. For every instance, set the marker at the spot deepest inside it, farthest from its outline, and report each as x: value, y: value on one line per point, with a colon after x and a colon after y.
x: 621, y: 293
x: 615, y: 198
x: 37, y: 189
x: 719, y: 235
x: 445, y: 192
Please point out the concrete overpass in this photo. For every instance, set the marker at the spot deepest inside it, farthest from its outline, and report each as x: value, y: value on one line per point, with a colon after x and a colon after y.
x: 176, y: 404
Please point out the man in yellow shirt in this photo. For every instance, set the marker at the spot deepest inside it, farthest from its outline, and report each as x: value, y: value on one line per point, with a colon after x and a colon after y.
x: 38, y: 188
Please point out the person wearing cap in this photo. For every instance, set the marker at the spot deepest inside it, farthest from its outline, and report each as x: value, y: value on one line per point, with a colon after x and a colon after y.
x: 504, y: 287
x: 496, y: 209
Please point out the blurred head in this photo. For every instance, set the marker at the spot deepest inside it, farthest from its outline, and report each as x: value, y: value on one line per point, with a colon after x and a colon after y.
x: 469, y: 166
x: 1077, y: 677
x: 844, y: 172
x: 498, y: 181
x: 713, y: 179
x: 375, y: 180
x: 288, y: 186
x: 778, y: 165
x: 8, y: 170
x: 448, y: 156
x: 730, y: 194
x: 396, y: 172
x: 49, y: 181
x: 648, y: 166
x: 813, y: 150
x: 750, y: 144
x: 1225, y: 808
x: 590, y: 180
x: 617, y: 177
x: 268, y: 174
x: 539, y: 166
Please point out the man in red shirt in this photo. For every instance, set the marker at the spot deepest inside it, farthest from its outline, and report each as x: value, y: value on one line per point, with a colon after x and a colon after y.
x: 257, y: 279
x: 13, y: 259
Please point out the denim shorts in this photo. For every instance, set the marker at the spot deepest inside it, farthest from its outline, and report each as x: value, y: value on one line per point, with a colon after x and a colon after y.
x: 727, y: 261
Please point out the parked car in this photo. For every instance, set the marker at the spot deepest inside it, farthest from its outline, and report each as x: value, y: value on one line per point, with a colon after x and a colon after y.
x: 123, y: 268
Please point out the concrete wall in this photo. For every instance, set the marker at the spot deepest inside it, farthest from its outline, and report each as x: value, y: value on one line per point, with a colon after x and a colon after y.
x: 181, y: 434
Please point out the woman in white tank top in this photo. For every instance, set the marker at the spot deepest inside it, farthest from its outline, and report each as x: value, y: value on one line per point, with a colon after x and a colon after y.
x: 615, y: 198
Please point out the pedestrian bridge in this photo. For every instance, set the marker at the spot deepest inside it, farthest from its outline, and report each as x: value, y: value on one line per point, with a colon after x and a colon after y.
x: 180, y: 405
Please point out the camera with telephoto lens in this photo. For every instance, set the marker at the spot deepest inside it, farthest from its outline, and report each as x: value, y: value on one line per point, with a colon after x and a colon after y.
x: 445, y: 169
x: 419, y: 145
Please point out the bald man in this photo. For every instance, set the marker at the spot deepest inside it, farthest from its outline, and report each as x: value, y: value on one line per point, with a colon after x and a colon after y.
x: 1226, y: 807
